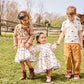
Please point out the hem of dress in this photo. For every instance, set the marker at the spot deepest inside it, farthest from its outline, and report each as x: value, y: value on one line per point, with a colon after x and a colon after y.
x: 55, y: 68
x: 24, y: 61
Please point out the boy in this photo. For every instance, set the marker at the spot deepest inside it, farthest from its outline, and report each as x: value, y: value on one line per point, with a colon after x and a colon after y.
x: 72, y: 30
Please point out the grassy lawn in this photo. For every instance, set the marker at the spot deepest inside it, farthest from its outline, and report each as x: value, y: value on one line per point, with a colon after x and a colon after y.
x: 10, y: 71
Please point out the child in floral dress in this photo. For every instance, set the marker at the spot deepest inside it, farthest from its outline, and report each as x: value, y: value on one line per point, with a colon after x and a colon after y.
x: 23, y: 39
x: 47, y: 59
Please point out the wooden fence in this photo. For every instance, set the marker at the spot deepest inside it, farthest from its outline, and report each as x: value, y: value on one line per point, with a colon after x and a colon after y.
x: 8, y: 26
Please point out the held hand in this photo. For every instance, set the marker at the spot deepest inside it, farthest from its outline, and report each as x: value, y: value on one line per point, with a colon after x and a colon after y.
x: 57, y: 43
x: 81, y: 46
x: 15, y: 47
x: 27, y: 45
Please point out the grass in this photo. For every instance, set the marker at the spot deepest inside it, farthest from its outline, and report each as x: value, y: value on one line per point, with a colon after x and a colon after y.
x: 10, y: 71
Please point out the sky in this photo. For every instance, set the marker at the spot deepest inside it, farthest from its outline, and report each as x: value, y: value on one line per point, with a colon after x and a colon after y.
x: 53, y: 6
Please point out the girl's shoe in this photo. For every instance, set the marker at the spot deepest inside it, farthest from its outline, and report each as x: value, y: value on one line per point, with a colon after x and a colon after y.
x: 48, y: 79
x: 76, y: 76
x: 68, y: 75
x: 23, y: 75
x: 31, y: 76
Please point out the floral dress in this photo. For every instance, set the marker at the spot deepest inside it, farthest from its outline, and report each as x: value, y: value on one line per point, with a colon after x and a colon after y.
x: 25, y: 54
x: 21, y: 37
x: 47, y: 59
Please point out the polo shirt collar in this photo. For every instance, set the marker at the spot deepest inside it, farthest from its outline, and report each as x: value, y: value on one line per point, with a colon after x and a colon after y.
x: 71, y: 21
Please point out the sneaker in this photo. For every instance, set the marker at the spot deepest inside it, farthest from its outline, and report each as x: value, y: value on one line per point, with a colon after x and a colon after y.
x: 48, y: 79
x: 68, y: 75
x: 76, y: 76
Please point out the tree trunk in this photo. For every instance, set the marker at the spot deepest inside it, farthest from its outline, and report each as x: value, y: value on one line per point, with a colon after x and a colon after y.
x: 0, y: 17
x: 0, y: 25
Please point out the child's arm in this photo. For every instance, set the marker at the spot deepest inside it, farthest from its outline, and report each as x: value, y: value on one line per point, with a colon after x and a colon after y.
x: 54, y: 46
x: 81, y: 38
x: 15, y: 38
x: 80, y: 34
x: 32, y: 36
x: 62, y: 33
x: 61, y: 37
x: 36, y: 49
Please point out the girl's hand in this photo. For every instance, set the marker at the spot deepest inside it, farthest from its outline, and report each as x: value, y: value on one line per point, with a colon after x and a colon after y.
x: 27, y: 45
x: 15, y: 47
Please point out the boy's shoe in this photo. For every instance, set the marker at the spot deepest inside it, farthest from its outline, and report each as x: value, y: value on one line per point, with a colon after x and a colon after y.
x: 76, y: 76
x: 48, y: 79
x: 68, y: 75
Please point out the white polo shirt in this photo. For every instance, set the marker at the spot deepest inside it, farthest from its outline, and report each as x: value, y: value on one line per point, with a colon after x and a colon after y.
x: 71, y: 29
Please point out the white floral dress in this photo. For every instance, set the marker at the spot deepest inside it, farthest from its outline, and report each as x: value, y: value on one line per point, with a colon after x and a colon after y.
x: 47, y: 59
x: 25, y: 54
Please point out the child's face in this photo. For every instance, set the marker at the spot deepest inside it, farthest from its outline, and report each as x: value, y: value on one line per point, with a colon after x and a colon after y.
x: 42, y: 39
x: 25, y: 20
x: 71, y: 17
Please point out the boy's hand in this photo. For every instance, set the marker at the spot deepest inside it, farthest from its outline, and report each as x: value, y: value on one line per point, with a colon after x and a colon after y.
x: 81, y: 45
x: 57, y: 43
x: 27, y: 45
x: 15, y: 47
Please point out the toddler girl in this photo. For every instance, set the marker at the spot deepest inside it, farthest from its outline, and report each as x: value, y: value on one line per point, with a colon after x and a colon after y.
x: 47, y: 59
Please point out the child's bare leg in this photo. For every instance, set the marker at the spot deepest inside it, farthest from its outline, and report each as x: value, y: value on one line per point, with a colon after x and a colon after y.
x: 30, y: 69
x: 23, y: 71
x: 49, y: 74
x: 28, y: 64
x: 22, y: 66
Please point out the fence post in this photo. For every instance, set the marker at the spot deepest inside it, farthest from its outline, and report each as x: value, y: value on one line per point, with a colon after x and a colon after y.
x: 0, y: 25
x: 0, y: 17
x: 47, y: 30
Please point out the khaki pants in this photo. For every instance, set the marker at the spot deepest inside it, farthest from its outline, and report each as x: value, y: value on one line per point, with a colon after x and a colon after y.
x: 72, y: 55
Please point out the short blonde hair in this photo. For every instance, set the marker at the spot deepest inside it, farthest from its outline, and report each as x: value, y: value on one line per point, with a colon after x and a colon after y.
x: 71, y: 10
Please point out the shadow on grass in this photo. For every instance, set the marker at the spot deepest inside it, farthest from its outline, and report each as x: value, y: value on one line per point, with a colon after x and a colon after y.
x: 58, y: 77
x: 82, y: 75
x: 40, y: 77
x: 55, y: 77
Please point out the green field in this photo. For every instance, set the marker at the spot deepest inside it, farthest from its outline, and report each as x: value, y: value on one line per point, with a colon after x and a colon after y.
x: 10, y: 71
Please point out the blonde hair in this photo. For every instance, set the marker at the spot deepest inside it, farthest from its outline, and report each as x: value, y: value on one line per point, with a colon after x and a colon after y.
x: 71, y: 10
x: 23, y: 14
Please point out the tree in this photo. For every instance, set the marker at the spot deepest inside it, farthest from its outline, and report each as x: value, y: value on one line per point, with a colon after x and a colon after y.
x: 57, y: 22
x: 39, y: 15
x: 47, y: 23
x: 11, y: 11
x: 1, y: 11
x: 28, y: 7
x: 0, y: 17
x: 38, y: 18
